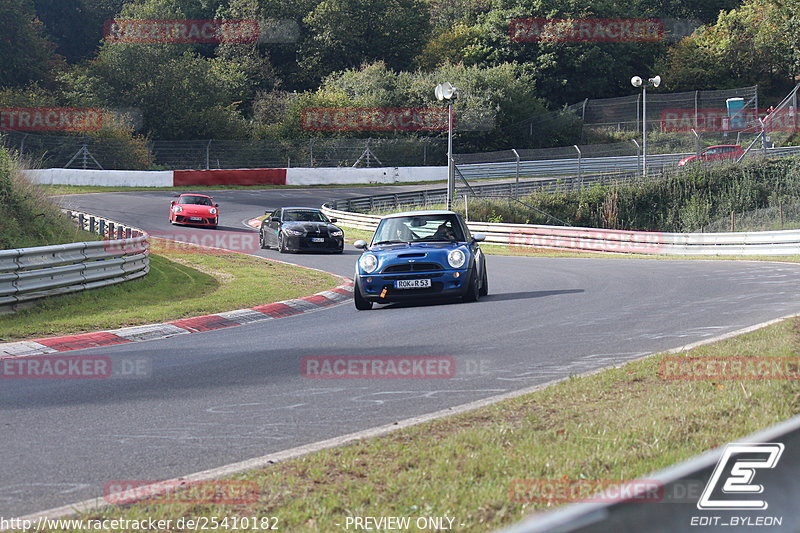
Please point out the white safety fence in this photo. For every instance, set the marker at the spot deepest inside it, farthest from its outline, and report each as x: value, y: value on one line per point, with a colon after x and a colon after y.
x: 766, y: 243
x: 28, y: 274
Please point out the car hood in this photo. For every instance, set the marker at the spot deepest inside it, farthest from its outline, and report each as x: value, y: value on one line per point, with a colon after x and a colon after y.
x: 389, y: 254
x: 687, y: 160
x: 310, y: 227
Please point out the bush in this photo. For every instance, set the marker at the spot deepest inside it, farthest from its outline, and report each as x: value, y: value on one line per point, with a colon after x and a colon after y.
x: 679, y: 202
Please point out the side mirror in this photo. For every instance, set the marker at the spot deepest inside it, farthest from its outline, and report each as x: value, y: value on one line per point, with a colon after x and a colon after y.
x: 216, y: 205
x: 267, y: 212
x: 172, y: 202
x: 479, y: 237
x: 360, y: 244
x: 334, y: 221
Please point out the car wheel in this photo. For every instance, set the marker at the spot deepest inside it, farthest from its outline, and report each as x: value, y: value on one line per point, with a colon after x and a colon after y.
x: 473, y: 292
x: 484, y: 284
x: 362, y: 304
x: 261, y: 242
x: 281, y: 243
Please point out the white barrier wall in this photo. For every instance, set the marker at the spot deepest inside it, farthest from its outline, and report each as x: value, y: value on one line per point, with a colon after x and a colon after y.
x: 109, y: 178
x: 343, y: 176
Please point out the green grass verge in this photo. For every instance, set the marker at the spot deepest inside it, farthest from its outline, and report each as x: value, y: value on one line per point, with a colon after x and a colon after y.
x: 184, y: 281
x: 617, y: 424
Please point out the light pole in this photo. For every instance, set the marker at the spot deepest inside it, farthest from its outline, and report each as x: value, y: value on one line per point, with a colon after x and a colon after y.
x: 636, y: 81
x: 446, y: 91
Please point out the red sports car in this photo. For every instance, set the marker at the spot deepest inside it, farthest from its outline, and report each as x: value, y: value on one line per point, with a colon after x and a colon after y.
x: 194, y: 209
x: 714, y: 153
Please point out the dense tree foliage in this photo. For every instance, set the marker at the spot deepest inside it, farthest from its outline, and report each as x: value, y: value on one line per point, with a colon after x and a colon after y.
x: 379, y: 53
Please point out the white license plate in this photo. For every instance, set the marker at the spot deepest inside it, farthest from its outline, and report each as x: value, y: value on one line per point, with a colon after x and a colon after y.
x: 317, y: 239
x: 195, y: 218
x: 412, y: 284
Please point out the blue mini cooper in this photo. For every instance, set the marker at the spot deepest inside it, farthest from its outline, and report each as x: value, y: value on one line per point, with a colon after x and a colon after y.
x: 420, y: 255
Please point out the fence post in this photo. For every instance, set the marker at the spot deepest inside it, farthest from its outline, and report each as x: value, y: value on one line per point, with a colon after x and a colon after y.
x: 516, y: 174
x: 580, y: 157
x: 638, y: 154
x: 696, y: 142
x: 208, y: 155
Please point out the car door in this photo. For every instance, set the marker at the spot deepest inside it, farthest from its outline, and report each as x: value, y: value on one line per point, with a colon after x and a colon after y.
x: 271, y: 228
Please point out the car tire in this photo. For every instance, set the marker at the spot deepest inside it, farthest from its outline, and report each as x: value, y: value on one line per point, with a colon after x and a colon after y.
x: 473, y: 292
x: 261, y: 242
x: 362, y: 304
x: 281, y: 243
x: 484, y: 283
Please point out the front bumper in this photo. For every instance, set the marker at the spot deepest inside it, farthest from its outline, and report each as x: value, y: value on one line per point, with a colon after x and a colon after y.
x: 444, y: 284
x: 304, y: 244
x: 201, y: 220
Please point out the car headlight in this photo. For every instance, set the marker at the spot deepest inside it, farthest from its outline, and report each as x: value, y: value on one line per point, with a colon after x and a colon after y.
x: 456, y: 258
x: 368, y: 263
x: 295, y: 232
x: 337, y: 233
x: 177, y: 209
x: 213, y: 211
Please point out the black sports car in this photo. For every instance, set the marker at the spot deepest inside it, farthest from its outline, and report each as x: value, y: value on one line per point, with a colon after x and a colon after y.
x: 300, y: 229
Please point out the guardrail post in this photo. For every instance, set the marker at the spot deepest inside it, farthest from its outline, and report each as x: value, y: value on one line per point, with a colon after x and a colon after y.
x: 516, y: 174
x: 91, y: 224
x: 128, y: 233
x: 120, y: 232
x: 80, y: 220
x: 580, y: 157
x: 110, y: 230
x: 101, y: 229
x: 638, y: 154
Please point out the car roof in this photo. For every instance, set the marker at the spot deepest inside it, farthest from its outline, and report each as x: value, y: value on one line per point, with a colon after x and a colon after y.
x: 420, y: 213
x: 724, y: 146
x: 195, y: 194
x: 300, y: 208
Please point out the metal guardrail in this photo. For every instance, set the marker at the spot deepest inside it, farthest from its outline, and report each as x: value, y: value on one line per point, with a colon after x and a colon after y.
x: 767, y: 243
x: 586, y: 167
x: 680, y: 487
x: 28, y: 274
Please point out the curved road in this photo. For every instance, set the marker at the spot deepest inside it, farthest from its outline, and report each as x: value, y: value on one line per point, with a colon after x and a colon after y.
x: 228, y: 395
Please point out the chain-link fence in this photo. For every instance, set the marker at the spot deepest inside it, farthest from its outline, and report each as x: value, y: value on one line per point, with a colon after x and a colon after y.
x: 90, y: 152
x: 698, y: 110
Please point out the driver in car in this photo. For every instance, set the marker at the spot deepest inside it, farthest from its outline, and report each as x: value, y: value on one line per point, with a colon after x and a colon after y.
x: 445, y: 233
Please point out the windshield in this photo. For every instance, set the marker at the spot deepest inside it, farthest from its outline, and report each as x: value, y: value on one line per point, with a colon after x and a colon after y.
x: 425, y: 228
x: 195, y: 200
x: 304, y: 216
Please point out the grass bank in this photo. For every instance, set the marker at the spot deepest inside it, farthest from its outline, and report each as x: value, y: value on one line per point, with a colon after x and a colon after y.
x: 184, y: 281
x: 618, y: 424
x: 29, y: 217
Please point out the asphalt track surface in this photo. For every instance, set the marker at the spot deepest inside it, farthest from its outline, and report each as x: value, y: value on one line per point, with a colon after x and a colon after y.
x: 228, y: 395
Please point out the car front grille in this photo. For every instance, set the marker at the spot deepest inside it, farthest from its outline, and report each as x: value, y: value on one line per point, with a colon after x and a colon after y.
x: 412, y: 267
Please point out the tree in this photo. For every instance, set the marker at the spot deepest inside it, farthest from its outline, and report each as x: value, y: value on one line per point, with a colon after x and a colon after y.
x: 753, y: 44
x: 25, y: 53
x: 179, y: 93
x: 348, y: 33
